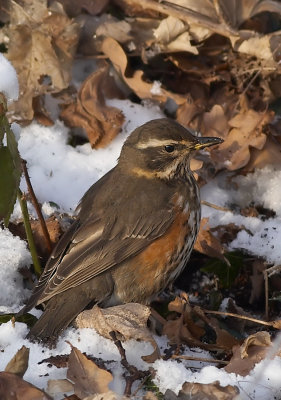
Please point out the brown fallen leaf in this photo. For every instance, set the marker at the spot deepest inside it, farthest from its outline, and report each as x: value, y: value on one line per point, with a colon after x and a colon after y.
x: 129, y: 321
x: 215, y: 122
x: 74, y: 8
x: 54, y: 229
x: 41, y: 49
x: 112, y: 49
x: 19, y: 363
x: 110, y: 395
x: 12, y: 387
x: 56, y: 386
x: 184, y: 329
x: 224, y: 338
x: 87, y: 377
x: 209, y: 391
x: 101, y: 122
x: 172, y: 36
x: 261, y: 338
x: 208, y: 244
x: 40, y: 113
x: 253, y: 350
x: 269, y: 155
x: 245, y: 133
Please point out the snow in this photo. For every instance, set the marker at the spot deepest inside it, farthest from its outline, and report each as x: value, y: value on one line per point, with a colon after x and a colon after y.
x: 61, y: 174
x: 13, y: 255
x: 9, y: 83
x: 260, y: 237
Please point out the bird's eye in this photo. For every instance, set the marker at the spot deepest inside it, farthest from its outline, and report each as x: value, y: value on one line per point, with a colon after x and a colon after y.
x: 169, y: 148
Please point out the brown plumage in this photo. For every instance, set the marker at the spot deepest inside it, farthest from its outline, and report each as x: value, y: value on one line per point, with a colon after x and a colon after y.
x: 134, y: 232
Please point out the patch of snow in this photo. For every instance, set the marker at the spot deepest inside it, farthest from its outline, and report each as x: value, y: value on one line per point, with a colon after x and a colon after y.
x: 9, y: 85
x: 13, y: 256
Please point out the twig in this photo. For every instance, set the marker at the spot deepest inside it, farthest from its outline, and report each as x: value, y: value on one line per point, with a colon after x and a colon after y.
x: 183, y: 357
x: 31, y: 244
x: 227, y: 314
x: 135, y: 374
x: 206, y: 203
x: 256, y: 74
x: 37, y: 207
x: 267, y: 274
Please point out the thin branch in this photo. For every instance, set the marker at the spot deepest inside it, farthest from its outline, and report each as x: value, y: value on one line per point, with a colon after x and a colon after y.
x: 227, y: 314
x: 31, y: 244
x: 206, y: 203
x: 183, y: 357
x: 37, y: 207
x: 267, y: 274
x: 134, y: 373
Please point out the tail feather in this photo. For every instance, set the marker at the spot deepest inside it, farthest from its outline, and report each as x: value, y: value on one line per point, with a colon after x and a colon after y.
x: 59, y: 313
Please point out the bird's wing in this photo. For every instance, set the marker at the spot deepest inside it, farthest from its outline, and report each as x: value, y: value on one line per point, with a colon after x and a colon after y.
x: 95, y: 248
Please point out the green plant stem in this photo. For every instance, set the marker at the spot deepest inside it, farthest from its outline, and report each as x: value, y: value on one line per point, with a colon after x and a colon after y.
x: 32, y: 248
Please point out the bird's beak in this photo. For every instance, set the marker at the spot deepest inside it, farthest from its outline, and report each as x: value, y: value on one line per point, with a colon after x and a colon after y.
x: 203, y: 142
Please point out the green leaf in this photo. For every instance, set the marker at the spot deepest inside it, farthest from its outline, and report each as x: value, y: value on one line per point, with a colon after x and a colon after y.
x: 2, y: 129
x: 10, y: 171
x: 13, y: 147
x: 226, y: 274
x: 28, y: 319
x: 9, y: 183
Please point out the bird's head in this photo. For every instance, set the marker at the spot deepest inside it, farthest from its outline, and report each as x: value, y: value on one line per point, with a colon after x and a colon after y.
x: 162, y: 148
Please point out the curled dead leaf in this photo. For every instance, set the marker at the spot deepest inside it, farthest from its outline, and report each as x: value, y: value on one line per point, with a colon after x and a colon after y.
x: 246, y: 132
x: 101, y: 122
x: 207, y: 243
x: 87, y: 377
x: 19, y: 363
x: 56, y: 386
x: 129, y: 321
x: 12, y: 387
x: 41, y: 50
x: 253, y: 350
x: 224, y: 339
x: 209, y: 391
x: 112, y: 49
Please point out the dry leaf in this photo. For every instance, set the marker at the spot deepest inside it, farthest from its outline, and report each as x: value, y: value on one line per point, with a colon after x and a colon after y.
x: 215, y: 122
x: 172, y: 35
x: 12, y: 387
x: 86, y: 376
x: 54, y: 230
x: 40, y: 113
x: 257, y: 339
x: 101, y: 122
x: 246, y: 132
x: 93, y: 7
x: 41, y: 48
x: 207, y: 243
x: 251, y: 352
x: 116, y: 29
x: 208, y: 391
x: 19, y: 363
x: 183, y: 329
x: 188, y: 111
x: 117, y: 56
x: 223, y: 338
x: 56, y: 386
x: 110, y: 395
x: 269, y: 155
x: 129, y: 321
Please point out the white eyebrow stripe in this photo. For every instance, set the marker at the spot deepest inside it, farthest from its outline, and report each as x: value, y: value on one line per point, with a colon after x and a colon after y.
x: 158, y: 142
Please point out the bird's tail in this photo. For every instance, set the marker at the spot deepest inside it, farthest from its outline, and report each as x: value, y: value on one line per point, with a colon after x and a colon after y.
x: 59, y: 313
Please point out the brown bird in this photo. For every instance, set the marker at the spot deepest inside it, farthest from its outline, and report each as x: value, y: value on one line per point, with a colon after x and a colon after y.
x: 134, y: 232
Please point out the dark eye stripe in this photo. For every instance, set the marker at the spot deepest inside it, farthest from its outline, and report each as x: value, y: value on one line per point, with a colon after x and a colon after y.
x: 169, y: 148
